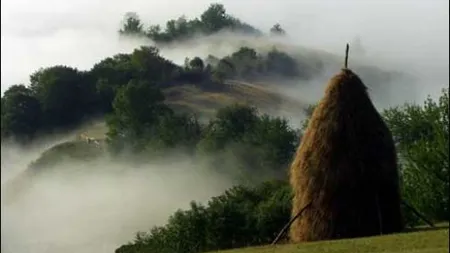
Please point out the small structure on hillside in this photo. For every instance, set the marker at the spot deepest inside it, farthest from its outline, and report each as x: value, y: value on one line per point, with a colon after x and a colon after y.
x: 345, y: 169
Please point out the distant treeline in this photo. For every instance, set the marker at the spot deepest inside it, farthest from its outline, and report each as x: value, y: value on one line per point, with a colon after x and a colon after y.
x: 61, y: 97
x: 212, y: 20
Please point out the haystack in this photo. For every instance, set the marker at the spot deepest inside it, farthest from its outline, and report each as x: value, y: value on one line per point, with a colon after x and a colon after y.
x: 345, y: 168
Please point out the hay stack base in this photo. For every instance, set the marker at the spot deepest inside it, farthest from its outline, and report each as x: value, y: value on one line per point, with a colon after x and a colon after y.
x: 346, y: 166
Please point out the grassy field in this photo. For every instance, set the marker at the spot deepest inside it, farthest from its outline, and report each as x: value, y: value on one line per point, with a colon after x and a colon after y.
x: 203, y: 103
x: 424, y: 240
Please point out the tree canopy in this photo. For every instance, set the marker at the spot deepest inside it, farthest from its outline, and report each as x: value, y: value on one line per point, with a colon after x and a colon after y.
x: 214, y: 19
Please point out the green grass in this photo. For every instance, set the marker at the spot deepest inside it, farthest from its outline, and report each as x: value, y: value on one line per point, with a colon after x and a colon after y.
x: 422, y: 241
x: 68, y: 151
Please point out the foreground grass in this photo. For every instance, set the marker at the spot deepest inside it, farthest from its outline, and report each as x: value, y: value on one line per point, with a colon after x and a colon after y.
x: 424, y: 241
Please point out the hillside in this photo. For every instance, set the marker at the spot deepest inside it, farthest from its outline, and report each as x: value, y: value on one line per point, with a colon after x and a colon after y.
x: 191, y: 98
x: 187, y: 98
x: 425, y: 241
x: 204, y: 103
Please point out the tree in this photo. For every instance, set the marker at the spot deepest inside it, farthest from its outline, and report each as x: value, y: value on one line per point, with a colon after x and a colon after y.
x: 181, y: 132
x: 212, y: 20
x: 183, y: 26
x: 229, y: 124
x: 132, y: 25
x: 110, y: 74
x: 280, y: 63
x: 137, y: 108
x: 149, y: 65
x: 138, y: 104
x: 117, y: 69
x: 154, y: 33
x: 422, y: 137
x: 246, y: 63
x: 20, y: 114
x: 215, y: 18
x: 197, y: 64
x: 276, y: 140
x: 245, y: 53
x: 243, y: 63
x: 64, y: 93
x: 244, y: 143
x: 277, y: 30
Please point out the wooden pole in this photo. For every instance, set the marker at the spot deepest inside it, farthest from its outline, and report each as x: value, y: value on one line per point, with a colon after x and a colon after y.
x: 380, y: 221
x: 283, y: 230
x: 418, y: 214
x: 347, y: 48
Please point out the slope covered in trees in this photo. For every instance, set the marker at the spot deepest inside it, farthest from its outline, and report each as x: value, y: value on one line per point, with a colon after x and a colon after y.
x: 212, y: 20
x: 61, y: 97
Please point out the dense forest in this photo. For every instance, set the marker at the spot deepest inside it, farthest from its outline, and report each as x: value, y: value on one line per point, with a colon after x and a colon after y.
x: 127, y: 91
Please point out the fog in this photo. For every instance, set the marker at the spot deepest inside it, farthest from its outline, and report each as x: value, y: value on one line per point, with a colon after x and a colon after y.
x: 96, y: 206
x: 100, y: 210
x: 408, y: 34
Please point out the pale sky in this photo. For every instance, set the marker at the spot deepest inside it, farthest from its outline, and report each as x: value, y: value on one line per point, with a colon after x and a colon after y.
x: 40, y: 33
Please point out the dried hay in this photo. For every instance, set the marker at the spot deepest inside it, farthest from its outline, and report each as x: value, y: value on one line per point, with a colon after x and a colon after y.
x: 346, y: 166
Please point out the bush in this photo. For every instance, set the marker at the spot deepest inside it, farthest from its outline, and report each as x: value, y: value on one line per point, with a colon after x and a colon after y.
x: 422, y: 136
x: 240, y: 217
x: 239, y: 141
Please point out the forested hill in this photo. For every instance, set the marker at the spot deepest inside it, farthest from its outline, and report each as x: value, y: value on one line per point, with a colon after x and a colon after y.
x: 61, y: 97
